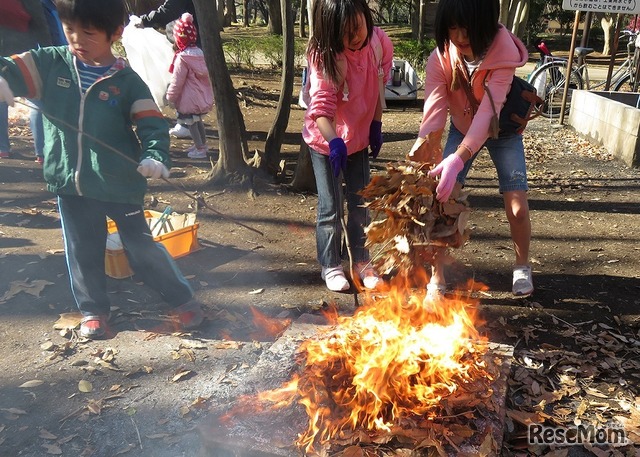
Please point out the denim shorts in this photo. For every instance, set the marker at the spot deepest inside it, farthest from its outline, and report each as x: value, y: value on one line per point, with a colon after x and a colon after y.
x: 507, y: 154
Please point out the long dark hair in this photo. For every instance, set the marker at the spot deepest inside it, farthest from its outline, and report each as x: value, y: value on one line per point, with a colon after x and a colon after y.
x: 332, y: 20
x: 478, y: 17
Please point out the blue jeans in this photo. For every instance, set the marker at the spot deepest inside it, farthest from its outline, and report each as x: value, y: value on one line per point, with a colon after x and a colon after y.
x: 5, y: 146
x: 330, y: 211
x: 84, y: 227
x: 507, y: 154
x: 37, y: 130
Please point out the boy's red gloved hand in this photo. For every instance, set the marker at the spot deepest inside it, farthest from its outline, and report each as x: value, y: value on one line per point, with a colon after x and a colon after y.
x: 375, y: 138
x: 337, y: 156
x: 448, y: 171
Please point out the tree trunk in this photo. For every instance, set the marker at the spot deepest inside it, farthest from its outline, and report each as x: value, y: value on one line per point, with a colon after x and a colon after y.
x: 607, y: 22
x: 514, y: 15
x: 275, y: 18
x: 421, y: 21
x: 303, y: 178
x: 220, y: 13
x: 504, y: 12
x: 415, y: 18
x: 303, y: 18
x: 230, y: 13
x: 245, y: 13
x: 310, y: 16
x: 276, y: 133
x: 231, y: 164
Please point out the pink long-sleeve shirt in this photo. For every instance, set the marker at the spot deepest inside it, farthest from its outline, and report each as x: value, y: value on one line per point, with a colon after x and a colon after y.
x: 352, y: 105
x: 505, y: 54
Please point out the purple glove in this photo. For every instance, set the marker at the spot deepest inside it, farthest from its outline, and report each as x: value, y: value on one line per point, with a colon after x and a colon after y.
x: 375, y: 138
x: 338, y: 156
x: 448, y: 171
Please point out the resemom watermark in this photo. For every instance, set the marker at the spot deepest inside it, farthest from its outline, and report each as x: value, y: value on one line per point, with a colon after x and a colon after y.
x: 578, y: 435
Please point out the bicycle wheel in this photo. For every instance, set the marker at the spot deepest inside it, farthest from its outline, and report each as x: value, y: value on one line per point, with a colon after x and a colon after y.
x: 624, y: 85
x: 549, y: 82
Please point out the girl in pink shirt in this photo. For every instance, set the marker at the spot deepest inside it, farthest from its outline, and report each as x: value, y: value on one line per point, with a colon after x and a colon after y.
x: 474, y: 49
x: 343, y: 120
x: 190, y: 88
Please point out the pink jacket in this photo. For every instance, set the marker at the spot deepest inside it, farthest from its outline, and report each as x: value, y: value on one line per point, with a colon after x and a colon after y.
x: 498, y: 66
x: 190, y: 88
x: 353, y: 104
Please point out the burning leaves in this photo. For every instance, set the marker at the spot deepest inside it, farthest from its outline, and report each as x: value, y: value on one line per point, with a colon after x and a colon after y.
x: 408, y: 222
x: 392, y: 377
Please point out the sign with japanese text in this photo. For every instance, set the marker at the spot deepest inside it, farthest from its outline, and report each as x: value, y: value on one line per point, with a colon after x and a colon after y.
x: 603, y: 6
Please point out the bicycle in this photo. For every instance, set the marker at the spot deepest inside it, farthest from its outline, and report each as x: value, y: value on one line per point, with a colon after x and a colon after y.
x: 550, y: 76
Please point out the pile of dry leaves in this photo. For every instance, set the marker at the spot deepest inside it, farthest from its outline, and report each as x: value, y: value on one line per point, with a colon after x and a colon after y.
x: 408, y: 224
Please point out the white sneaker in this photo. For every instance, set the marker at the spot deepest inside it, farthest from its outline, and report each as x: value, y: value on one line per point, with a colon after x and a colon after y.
x: 198, y: 153
x: 180, y: 131
x: 335, y: 279
x: 370, y: 280
x: 522, y: 280
x: 435, y: 292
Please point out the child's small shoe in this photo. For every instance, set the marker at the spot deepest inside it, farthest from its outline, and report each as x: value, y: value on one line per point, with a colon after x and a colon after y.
x: 435, y: 292
x: 93, y: 326
x: 5, y: 155
x: 198, y: 153
x: 335, y: 279
x: 180, y: 131
x: 370, y: 280
x: 189, y: 315
x: 522, y: 280
x: 39, y: 160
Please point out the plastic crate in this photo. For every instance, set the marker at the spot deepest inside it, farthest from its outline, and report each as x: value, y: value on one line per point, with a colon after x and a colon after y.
x: 179, y: 242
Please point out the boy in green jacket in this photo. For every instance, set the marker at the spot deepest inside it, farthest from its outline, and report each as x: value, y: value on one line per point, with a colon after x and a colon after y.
x: 94, y: 99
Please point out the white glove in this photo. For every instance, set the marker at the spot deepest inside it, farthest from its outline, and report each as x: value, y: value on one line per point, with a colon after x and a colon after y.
x: 5, y: 92
x: 151, y: 168
x: 136, y: 21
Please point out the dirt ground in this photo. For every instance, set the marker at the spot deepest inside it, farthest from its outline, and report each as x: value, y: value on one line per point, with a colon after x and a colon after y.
x: 144, y: 390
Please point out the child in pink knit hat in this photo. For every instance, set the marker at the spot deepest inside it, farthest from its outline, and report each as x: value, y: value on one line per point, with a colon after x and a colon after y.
x: 190, y: 88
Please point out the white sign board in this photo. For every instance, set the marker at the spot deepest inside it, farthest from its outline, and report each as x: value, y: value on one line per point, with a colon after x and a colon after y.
x: 603, y: 6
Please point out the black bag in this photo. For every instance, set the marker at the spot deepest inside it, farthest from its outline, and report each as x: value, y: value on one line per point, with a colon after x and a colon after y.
x: 521, y: 105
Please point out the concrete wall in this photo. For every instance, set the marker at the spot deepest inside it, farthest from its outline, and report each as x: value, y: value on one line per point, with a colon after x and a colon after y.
x: 610, y: 119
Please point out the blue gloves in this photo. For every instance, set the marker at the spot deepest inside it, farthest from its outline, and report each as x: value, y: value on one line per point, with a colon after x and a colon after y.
x: 338, y: 156
x: 375, y: 138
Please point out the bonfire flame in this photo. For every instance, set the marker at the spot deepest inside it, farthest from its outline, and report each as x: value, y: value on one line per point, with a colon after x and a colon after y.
x: 397, y: 362
x: 393, y: 359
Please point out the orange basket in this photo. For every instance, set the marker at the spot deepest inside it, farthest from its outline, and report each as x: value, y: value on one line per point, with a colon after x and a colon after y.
x: 179, y: 242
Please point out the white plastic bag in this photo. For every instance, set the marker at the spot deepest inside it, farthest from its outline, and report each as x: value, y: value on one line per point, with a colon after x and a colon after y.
x: 150, y: 55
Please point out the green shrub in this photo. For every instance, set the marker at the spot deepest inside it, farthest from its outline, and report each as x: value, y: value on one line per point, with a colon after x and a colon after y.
x: 414, y: 52
x: 239, y: 51
x: 271, y: 48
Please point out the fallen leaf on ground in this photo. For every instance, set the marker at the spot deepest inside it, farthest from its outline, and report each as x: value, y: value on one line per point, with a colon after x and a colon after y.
x: 85, y: 386
x: 34, y: 288
x: 67, y: 321
x: 32, y: 383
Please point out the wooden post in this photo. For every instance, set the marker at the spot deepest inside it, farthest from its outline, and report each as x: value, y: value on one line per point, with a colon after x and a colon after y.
x: 576, y: 23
